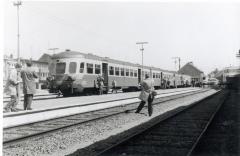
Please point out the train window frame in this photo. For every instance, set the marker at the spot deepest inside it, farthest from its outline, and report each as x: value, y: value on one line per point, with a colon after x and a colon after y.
x: 127, y: 72
x: 111, y: 70
x: 117, y: 71
x: 122, y: 72
x: 154, y: 75
x: 81, y: 69
x: 131, y: 73
x: 97, y: 69
x: 63, y: 70
x: 88, y: 64
x: 72, y: 69
x: 135, y: 74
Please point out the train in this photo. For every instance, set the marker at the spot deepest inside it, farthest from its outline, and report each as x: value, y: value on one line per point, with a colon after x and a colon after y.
x: 230, y: 77
x: 76, y: 73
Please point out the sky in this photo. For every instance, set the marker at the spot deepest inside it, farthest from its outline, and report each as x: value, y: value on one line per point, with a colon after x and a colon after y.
x: 206, y: 34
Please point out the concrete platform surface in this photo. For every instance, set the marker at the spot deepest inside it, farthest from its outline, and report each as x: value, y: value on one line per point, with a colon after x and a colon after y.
x: 19, y: 118
x: 61, y: 102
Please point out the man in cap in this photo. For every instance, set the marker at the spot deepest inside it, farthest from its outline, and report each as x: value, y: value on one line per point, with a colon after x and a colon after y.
x: 145, y: 96
x: 29, y: 86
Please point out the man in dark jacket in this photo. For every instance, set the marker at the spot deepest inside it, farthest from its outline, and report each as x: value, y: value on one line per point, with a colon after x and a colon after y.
x: 29, y: 86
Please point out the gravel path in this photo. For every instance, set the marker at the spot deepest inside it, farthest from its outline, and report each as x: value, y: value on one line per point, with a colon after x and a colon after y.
x: 71, y: 139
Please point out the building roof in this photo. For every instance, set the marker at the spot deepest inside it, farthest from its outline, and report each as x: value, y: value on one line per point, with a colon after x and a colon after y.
x: 190, y: 69
x: 45, y: 58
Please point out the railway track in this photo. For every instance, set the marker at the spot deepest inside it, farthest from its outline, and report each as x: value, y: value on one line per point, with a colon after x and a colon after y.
x: 22, y: 132
x: 175, y: 134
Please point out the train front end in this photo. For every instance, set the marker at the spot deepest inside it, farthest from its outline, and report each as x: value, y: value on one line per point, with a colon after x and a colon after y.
x: 66, y: 73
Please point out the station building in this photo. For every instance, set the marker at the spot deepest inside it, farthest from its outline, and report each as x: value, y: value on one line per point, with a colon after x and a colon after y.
x: 195, y: 73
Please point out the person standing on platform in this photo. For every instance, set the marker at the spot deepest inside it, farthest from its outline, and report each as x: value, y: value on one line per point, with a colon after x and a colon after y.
x: 29, y: 86
x: 11, y: 89
x: 100, y: 84
x: 146, y: 95
x: 114, y: 84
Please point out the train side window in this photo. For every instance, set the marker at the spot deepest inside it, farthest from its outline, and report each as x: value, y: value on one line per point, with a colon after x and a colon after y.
x: 154, y: 75
x: 135, y: 73
x: 81, y: 70
x: 122, y: 72
x: 60, y: 68
x: 89, y: 68
x: 111, y: 70
x: 117, y: 71
x: 97, y: 68
x: 131, y: 72
x: 127, y: 72
x: 72, y: 67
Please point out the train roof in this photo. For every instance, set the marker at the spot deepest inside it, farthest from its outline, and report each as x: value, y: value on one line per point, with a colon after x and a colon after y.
x: 75, y: 54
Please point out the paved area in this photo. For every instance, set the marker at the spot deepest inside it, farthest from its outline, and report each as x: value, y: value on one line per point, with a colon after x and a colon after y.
x: 61, y: 102
x: 24, y: 117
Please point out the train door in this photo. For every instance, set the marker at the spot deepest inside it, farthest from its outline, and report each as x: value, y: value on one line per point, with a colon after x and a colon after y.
x: 105, y: 74
x: 161, y: 77
x: 151, y: 73
x: 139, y: 75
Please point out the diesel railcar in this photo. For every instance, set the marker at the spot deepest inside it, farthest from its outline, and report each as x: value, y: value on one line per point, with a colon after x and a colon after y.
x: 76, y: 72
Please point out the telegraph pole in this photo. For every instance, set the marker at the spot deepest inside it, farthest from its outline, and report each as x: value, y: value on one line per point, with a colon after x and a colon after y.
x: 18, y: 3
x: 179, y: 60
x: 142, y: 49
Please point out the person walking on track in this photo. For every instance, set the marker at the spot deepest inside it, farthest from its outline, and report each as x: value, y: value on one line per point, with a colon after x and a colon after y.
x: 147, y: 95
x: 11, y: 89
x: 29, y: 86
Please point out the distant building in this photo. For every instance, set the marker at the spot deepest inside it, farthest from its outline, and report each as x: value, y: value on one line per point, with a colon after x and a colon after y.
x: 41, y: 68
x: 189, y: 69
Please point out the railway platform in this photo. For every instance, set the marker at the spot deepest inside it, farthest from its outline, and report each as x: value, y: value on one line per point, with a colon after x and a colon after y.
x: 52, y: 101
x: 82, y: 135
x: 50, y: 108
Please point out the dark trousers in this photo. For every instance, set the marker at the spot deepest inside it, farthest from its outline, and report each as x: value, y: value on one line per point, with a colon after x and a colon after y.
x: 141, y: 105
x: 27, y: 101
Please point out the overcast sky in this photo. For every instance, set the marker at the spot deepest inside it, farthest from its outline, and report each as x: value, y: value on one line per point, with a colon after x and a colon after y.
x: 208, y: 34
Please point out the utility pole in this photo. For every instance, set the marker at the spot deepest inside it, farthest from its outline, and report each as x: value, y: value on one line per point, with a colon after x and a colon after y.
x: 53, y: 49
x: 179, y: 62
x: 18, y: 3
x: 142, y: 49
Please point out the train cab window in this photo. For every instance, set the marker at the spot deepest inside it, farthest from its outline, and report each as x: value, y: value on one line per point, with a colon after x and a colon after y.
x: 122, y: 71
x: 127, y: 72
x: 72, y: 67
x: 131, y: 72
x: 89, y: 68
x: 154, y: 75
x: 117, y: 71
x: 81, y: 70
x: 135, y: 73
x: 60, y: 68
x: 111, y: 70
x: 97, y: 68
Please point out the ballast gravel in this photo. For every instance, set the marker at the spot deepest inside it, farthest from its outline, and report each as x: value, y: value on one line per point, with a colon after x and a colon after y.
x: 67, y: 141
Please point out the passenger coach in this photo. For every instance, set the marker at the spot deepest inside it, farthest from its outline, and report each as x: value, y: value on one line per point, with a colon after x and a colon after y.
x: 76, y: 72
